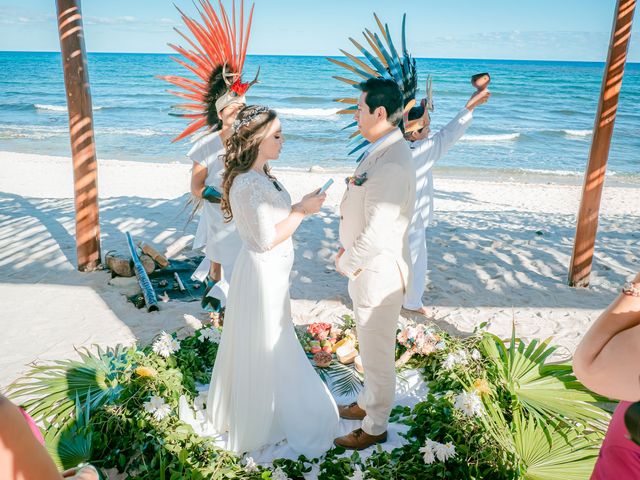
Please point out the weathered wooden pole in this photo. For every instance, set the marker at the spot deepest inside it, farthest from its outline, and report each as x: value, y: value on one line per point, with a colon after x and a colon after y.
x: 83, y: 151
x: 587, y: 225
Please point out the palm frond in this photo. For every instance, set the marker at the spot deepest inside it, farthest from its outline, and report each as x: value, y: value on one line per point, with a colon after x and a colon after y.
x: 543, y: 390
x: 50, y: 390
x: 549, y: 453
x: 71, y: 445
x: 341, y: 379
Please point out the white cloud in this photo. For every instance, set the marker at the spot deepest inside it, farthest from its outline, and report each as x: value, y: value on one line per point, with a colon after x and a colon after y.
x: 556, y: 45
x: 109, y: 20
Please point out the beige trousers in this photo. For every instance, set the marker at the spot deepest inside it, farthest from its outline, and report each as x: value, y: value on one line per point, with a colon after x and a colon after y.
x: 377, y: 299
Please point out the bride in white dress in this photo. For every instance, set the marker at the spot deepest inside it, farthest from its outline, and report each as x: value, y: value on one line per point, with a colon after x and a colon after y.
x: 263, y: 388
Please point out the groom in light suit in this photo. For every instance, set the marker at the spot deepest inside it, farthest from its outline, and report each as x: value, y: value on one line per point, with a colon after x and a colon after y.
x: 374, y: 218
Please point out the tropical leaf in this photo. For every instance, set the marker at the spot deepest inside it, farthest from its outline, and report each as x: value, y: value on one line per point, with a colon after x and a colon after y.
x: 543, y: 449
x: 545, y: 391
x: 341, y: 379
x: 50, y: 390
x: 548, y: 453
x: 71, y: 445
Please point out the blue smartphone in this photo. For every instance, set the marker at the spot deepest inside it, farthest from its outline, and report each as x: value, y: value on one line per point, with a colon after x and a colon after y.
x: 325, y: 186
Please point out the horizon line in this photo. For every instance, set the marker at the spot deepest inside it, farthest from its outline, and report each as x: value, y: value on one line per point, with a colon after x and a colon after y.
x: 332, y: 56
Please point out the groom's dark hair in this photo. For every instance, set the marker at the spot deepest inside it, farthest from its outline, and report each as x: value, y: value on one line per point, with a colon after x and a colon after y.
x: 382, y: 92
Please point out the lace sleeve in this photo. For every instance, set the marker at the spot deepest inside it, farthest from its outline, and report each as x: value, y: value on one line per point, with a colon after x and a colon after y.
x: 253, y: 212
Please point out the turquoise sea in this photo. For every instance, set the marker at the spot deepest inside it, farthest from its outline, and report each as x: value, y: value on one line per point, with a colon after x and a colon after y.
x: 539, y: 118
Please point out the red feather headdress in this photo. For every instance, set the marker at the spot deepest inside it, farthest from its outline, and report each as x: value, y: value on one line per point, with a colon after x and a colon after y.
x: 219, y: 41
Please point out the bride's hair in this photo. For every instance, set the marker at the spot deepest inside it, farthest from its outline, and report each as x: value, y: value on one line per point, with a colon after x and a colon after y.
x: 249, y: 130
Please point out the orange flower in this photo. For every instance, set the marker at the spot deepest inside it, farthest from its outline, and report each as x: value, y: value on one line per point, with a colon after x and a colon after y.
x: 146, y: 372
x: 482, y: 386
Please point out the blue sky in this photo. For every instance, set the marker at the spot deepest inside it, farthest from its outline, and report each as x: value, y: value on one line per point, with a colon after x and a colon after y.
x: 502, y: 29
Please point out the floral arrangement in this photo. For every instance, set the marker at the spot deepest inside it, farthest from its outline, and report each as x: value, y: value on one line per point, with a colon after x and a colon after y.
x: 495, y: 409
x: 357, y: 180
x: 417, y: 339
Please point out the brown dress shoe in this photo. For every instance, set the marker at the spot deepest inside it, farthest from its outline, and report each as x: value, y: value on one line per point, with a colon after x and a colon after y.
x: 351, y: 412
x: 359, y: 440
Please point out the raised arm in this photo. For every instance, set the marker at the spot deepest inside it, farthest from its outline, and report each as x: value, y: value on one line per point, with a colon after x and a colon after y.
x: 439, y: 144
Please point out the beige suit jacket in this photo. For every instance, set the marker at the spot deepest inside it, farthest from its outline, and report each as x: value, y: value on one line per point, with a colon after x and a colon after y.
x: 374, y: 217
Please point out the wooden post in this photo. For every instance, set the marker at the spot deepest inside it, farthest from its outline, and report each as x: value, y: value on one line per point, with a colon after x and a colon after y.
x: 83, y: 151
x: 587, y: 225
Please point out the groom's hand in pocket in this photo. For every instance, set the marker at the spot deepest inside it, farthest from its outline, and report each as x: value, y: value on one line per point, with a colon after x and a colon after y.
x: 338, y: 255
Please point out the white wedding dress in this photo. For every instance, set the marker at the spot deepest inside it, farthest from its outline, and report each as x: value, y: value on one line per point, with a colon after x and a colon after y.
x: 263, y: 387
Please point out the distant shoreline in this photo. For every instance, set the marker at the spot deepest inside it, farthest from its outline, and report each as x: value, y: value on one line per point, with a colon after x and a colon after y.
x: 516, y: 60
x: 517, y: 176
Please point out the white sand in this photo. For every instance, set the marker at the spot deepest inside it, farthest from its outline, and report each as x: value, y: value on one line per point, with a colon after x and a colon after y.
x: 487, y: 261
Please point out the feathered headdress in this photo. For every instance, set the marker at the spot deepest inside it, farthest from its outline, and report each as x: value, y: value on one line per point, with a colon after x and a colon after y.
x: 382, y: 60
x: 217, y: 57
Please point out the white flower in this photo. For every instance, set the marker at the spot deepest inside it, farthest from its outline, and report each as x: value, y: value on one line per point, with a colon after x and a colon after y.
x: 450, y: 361
x: 358, y: 474
x: 476, y: 355
x: 427, y: 452
x: 462, y: 357
x: 451, y: 449
x: 211, y: 333
x: 459, y: 357
x: 278, y: 474
x: 433, y: 450
x: 250, y: 465
x: 444, y: 451
x: 469, y: 403
x: 165, y: 345
x: 440, y: 345
x: 157, y: 407
x: 162, y: 412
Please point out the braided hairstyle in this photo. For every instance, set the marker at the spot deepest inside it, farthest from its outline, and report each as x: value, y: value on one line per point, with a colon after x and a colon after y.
x: 242, y: 149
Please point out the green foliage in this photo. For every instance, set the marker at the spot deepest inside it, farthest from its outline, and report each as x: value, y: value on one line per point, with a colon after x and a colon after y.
x: 345, y: 380
x: 535, y: 421
x: 51, y: 389
x: 545, y: 391
x: 71, y: 445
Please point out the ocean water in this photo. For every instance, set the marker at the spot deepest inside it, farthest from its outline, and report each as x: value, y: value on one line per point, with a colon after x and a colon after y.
x: 539, y: 118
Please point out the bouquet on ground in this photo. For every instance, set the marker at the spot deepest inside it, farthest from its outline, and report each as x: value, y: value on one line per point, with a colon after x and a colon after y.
x: 417, y: 338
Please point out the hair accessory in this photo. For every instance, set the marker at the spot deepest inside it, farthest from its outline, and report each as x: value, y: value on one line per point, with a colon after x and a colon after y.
x: 218, y: 48
x: 249, y: 117
x: 381, y: 59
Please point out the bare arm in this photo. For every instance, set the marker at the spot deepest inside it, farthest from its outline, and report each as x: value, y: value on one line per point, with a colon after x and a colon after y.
x: 21, y: 456
x: 198, y: 176
x: 607, y: 359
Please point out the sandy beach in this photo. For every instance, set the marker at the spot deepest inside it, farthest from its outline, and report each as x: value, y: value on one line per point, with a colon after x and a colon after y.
x: 498, y: 251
